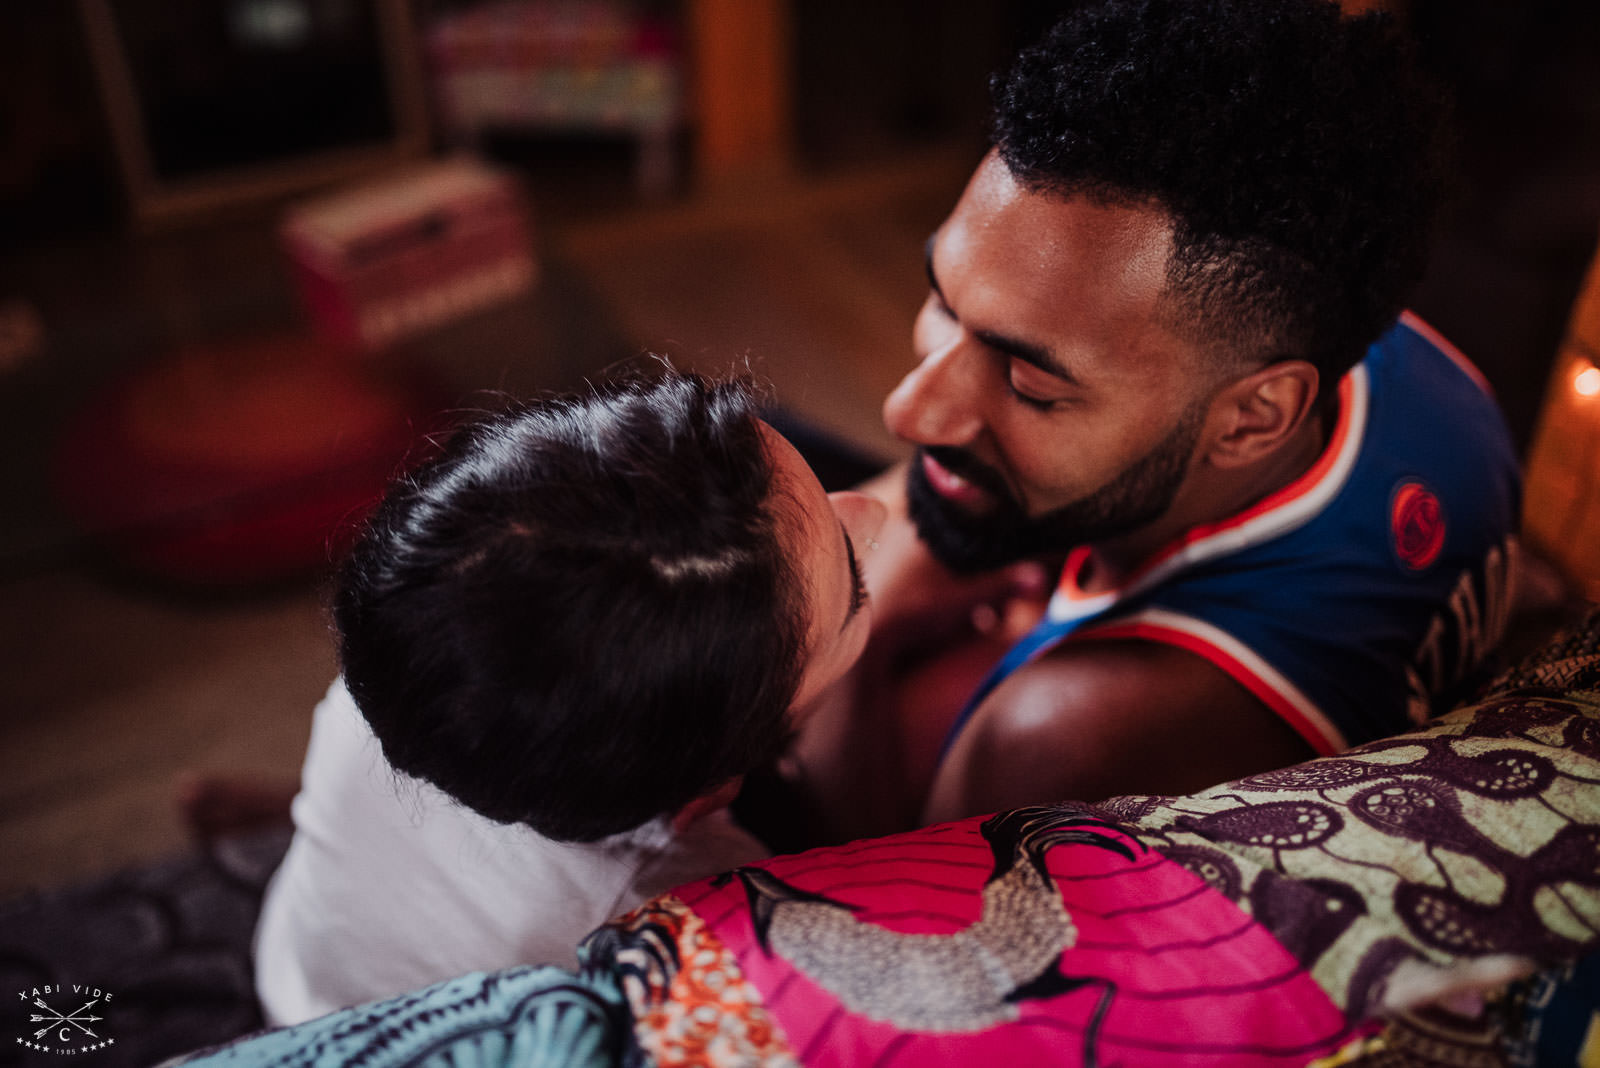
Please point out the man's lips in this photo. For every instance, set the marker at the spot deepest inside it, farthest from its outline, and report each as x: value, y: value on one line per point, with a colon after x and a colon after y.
x: 953, y: 488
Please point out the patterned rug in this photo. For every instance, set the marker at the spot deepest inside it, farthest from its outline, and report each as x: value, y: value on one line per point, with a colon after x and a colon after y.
x: 139, y: 966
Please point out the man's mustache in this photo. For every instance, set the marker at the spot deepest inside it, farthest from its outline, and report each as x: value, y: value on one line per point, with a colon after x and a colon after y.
x: 965, y: 465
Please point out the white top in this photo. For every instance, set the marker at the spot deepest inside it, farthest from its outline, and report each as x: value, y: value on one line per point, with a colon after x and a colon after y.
x: 389, y: 885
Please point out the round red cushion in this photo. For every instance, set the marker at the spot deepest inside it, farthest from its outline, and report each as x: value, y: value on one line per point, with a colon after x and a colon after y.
x: 240, y: 463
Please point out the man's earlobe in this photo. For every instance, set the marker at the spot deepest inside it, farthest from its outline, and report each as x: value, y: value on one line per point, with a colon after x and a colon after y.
x: 1262, y: 411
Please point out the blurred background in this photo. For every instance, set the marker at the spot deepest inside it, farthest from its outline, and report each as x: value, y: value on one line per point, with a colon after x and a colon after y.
x: 211, y: 352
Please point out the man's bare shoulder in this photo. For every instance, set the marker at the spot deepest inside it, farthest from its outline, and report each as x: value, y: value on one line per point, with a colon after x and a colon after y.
x: 1093, y: 719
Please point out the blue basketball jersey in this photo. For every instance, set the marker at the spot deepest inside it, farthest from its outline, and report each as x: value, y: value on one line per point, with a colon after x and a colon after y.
x: 1352, y: 600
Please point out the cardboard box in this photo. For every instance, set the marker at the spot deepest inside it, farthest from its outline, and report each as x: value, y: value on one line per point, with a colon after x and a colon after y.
x: 383, y: 261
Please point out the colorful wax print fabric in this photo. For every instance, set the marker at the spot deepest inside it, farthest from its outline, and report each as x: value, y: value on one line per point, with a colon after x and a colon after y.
x: 1043, y: 935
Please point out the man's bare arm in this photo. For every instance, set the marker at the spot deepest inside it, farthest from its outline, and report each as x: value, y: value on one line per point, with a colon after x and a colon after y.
x: 1095, y: 719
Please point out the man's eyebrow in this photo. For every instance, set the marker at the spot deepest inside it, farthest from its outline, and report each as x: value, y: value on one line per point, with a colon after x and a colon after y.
x: 1034, y: 355
x: 858, y: 585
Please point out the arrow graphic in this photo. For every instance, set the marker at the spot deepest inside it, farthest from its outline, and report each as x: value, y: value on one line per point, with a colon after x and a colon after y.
x: 55, y: 1017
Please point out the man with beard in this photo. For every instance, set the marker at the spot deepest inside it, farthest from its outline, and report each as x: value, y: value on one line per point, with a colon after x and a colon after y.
x: 1164, y: 343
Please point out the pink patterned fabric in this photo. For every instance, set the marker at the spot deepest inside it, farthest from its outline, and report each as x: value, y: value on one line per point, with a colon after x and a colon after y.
x: 895, y: 952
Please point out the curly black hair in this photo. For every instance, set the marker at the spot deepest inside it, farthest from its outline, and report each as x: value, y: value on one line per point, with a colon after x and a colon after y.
x: 1298, y: 152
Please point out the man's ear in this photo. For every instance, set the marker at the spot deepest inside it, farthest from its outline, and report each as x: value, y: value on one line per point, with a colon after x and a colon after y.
x: 706, y: 804
x: 1261, y: 411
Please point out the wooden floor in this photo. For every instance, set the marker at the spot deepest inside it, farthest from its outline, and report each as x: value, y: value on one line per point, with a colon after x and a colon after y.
x: 818, y: 287
x: 113, y: 688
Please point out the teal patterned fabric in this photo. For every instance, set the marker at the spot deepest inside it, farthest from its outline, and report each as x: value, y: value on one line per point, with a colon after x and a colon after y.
x: 528, y: 1017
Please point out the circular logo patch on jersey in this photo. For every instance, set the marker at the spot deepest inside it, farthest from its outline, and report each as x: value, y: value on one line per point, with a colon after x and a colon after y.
x: 1416, y: 525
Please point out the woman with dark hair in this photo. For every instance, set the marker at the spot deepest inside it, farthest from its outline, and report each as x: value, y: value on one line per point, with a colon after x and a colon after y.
x: 571, y: 633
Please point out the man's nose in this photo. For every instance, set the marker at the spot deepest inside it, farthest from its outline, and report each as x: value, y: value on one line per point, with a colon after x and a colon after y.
x: 940, y: 401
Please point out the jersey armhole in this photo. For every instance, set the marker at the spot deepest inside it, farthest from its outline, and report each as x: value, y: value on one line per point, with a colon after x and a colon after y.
x: 1235, y: 659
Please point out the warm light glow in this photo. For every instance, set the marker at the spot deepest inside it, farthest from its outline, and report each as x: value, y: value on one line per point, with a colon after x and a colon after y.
x: 1587, y: 381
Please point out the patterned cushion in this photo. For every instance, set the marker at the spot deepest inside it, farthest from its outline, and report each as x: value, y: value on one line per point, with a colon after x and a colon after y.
x: 1277, y: 920
x: 1271, y: 920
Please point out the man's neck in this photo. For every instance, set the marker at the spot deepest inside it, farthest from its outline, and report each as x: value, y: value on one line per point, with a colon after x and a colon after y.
x: 1207, y: 496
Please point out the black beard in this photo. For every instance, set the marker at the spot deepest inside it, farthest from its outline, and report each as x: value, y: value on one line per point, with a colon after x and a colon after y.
x: 968, y: 543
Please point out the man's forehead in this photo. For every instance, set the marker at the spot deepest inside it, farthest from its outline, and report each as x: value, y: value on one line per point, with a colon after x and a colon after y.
x: 1051, y: 271
x: 1040, y: 223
